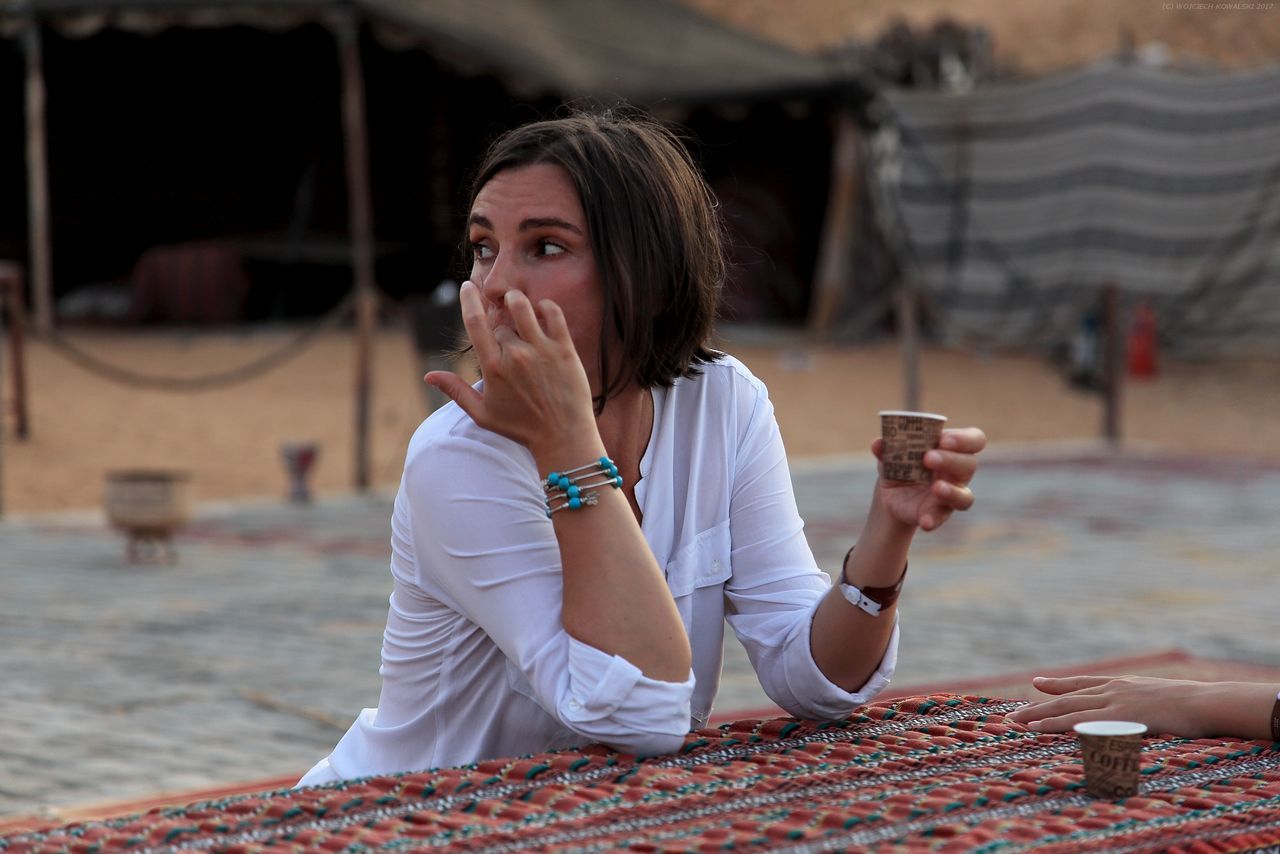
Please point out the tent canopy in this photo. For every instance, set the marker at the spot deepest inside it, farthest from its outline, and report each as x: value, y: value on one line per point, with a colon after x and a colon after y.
x: 652, y: 51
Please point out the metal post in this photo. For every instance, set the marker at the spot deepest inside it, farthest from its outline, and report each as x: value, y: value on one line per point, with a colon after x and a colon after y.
x: 1113, y: 342
x: 909, y: 335
x: 360, y: 219
x: 38, y: 231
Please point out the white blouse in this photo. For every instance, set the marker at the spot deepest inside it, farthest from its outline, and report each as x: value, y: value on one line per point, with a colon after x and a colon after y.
x: 475, y: 662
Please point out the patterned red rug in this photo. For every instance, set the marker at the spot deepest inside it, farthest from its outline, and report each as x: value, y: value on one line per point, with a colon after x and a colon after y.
x: 920, y: 774
x: 1174, y: 664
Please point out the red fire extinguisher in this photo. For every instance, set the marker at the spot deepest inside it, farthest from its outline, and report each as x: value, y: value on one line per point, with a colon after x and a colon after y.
x: 1142, y: 342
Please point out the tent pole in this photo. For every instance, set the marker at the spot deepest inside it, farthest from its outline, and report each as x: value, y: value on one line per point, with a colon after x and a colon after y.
x: 38, y: 233
x: 3, y: 301
x: 11, y: 300
x: 360, y: 218
x: 835, y: 252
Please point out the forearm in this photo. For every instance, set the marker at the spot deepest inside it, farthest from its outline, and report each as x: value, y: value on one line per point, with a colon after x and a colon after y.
x: 847, y: 642
x: 615, y: 597
x: 1241, y: 709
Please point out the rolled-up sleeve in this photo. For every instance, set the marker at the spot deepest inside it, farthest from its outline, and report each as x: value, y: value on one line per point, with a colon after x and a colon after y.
x: 815, y: 696
x: 485, y: 546
x: 611, y: 701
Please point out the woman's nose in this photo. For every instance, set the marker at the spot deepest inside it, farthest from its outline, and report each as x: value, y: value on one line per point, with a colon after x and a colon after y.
x: 497, y: 280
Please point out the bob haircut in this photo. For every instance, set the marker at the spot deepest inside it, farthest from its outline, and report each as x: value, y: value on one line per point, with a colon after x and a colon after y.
x: 655, y: 231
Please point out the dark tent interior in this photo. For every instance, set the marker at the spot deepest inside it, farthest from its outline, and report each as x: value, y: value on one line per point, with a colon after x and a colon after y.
x: 223, y: 146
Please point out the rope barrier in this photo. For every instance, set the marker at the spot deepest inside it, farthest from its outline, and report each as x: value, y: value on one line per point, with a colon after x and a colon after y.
x: 216, y: 379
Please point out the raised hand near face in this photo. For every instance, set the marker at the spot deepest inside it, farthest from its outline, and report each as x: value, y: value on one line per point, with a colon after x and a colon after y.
x: 953, y: 463
x: 535, y: 388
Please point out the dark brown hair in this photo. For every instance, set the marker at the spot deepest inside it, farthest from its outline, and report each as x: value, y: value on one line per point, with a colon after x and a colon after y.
x: 654, y: 228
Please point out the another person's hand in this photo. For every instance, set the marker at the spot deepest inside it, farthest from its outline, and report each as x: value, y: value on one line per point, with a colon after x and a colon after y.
x: 953, y: 463
x: 1164, y: 705
x: 1178, y: 706
x: 536, y: 391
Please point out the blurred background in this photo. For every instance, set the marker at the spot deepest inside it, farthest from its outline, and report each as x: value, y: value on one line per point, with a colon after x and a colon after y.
x: 222, y: 222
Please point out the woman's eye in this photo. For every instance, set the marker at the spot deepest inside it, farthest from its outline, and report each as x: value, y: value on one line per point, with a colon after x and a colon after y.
x: 546, y: 247
x: 481, y: 252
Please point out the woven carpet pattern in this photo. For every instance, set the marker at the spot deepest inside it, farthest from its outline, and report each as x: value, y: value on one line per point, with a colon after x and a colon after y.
x: 938, y: 773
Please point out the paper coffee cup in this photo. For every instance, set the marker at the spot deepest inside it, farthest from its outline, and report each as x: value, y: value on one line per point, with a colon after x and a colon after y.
x: 1112, y: 752
x: 907, y: 435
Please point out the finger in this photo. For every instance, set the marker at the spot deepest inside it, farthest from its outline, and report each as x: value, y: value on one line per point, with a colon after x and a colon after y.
x: 472, y: 305
x: 523, y: 315
x: 953, y: 495
x: 1064, y: 684
x: 1057, y: 707
x: 1072, y: 693
x: 933, y: 521
x: 557, y: 326
x: 1041, y: 724
x: 504, y: 337
x: 471, y: 401
x: 877, y: 447
x: 966, y: 440
x: 955, y: 466
x: 1064, y: 723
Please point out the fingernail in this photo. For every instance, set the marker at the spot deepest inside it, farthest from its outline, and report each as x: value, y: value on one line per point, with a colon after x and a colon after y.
x: 1034, y: 725
x: 932, y: 457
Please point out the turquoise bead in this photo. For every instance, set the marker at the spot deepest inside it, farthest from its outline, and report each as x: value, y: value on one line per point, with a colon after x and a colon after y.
x: 574, y: 491
x: 575, y: 503
x: 617, y: 482
x: 563, y: 483
x: 552, y: 478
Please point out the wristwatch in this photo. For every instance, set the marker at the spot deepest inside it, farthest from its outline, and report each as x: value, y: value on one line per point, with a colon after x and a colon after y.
x: 873, y: 600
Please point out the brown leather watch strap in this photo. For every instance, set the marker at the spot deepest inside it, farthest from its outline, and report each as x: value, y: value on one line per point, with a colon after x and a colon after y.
x: 881, y: 596
x: 1275, y: 720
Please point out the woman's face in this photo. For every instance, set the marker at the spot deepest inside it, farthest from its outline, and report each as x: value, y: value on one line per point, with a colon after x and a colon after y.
x: 527, y: 232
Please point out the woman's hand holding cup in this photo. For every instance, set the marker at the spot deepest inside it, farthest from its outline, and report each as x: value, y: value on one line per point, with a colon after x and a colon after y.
x: 952, y: 465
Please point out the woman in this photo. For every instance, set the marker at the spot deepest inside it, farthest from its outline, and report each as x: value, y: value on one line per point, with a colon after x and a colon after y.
x: 533, y: 611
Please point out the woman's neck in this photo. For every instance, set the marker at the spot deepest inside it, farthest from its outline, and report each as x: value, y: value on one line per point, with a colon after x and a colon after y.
x: 626, y: 422
x: 625, y: 427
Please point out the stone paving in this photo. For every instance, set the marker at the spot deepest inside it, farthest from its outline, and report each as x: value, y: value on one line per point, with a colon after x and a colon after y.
x: 249, y: 657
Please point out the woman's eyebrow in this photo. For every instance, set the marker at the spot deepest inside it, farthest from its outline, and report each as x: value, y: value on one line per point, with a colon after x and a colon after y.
x: 528, y: 224
x: 549, y: 222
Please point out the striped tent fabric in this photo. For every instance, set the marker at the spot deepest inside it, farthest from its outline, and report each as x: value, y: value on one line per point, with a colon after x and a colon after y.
x: 1014, y: 204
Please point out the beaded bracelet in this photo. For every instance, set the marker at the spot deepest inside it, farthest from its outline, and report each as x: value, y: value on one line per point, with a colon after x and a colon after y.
x: 575, y: 486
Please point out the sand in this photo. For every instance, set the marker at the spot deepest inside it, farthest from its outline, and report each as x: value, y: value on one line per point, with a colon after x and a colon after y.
x: 83, y: 426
